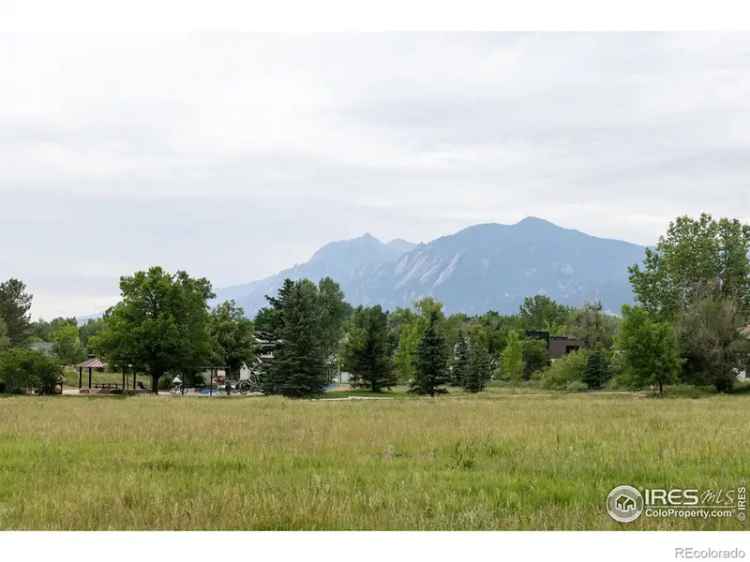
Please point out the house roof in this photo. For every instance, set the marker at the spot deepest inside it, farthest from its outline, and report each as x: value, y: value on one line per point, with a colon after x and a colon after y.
x: 93, y: 363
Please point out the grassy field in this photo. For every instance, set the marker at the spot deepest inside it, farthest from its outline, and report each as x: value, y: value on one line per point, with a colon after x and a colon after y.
x: 500, y: 460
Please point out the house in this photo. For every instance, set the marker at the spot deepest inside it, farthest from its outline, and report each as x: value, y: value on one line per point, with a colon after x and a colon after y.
x: 557, y: 346
x: 625, y: 503
x: 562, y: 345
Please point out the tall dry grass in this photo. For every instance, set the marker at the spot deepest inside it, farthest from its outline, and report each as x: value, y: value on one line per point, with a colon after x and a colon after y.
x: 495, y: 461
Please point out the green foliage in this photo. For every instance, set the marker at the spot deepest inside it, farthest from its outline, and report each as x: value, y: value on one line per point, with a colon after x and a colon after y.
x: 542, y: 313
x: 298, y: 366
x: 366, y: 350
x: 593, y: 327
x: 43, y: 330
x: 232, y: 337
x: 535, y: 356
x: 460, y: 362
x: 67, y: 344
x: 716, y: 349
x: 430, y: 364
x: 160, y: 325
x: 512, y: 358
x: 565, y: 370
x: 4, y: 340
x: 15, y: 304
x: 649, y: 348
x: 92, y: 327
x: 334, y: 312
x: 411, y: 330
x: 479, y: 371
x: 597, y: 373
x: 696, y: 258
x: 577, y: 386
x: 24, y: 369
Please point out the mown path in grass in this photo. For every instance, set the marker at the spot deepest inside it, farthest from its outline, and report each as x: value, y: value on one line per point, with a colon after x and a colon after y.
x: 494, y: 461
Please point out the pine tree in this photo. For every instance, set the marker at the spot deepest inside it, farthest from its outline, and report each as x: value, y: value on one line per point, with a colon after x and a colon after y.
x: 479, y: 367
x: 460, y: 361
x: 366, y: 351
x: 596, y: 373
x: 431, y: 360
x: 15, y: 304
x: 301, y: 364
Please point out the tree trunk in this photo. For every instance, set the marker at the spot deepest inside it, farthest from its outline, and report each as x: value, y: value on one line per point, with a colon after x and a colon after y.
x: 661, y: 389
x: 155, y: 382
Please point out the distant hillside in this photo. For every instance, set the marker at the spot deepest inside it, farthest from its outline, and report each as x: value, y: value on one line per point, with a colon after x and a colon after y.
x: 483, y: 267
x: 346, y: 261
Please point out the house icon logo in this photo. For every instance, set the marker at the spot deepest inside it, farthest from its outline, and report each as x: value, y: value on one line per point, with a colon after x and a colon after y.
x: 624, y: 504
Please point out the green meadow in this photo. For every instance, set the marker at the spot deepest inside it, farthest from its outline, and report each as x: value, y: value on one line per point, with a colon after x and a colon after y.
x: 503, y: 459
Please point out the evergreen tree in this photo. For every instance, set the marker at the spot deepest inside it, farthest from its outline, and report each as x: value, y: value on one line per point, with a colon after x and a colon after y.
x: 460, y: 367
x: 4, y: 341
x: 479, y: 367
x: 15, y: 304
x: 298, y: 364
x: 431, y: 359
x: 366, y: 350
x: 268, y: 326
x: 597, y: 372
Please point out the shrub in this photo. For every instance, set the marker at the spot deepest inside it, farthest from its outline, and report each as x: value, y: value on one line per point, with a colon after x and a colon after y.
x: 535, y: 357
x: 23, y: 369
x: 577, y: 386
x: 565, y: 370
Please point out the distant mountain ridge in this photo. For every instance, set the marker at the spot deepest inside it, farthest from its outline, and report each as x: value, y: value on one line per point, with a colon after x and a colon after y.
x: 480, y: 268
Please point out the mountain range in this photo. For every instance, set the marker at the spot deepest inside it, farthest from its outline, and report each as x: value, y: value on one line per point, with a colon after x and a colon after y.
x: 480, y: 268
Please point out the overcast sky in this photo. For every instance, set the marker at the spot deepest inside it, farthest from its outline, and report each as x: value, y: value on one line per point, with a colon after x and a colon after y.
x: 234, y: 156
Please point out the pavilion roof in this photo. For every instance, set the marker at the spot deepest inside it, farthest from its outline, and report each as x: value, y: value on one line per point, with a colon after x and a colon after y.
x: 93, y: 363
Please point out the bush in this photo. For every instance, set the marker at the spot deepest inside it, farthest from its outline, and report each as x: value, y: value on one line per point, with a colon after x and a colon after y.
x: 577, y: 386
x: 565, y: 370
x: 24, y: 369
x: 535, y: 357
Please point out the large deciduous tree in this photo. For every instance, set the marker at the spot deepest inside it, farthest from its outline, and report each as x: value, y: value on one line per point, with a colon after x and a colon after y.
x: 67, y: 343
x: 649, y: 348
x: 23, y: 369
x: 716, y: 349
x: 594, y: 328
x: 696, y: 258
x: 161, y: 324
x: 232, y: 337
x: 334, y: 311
x: 542, y: 313
x: 366, y: 350
x: 15, y: 303
x: 511, y: 359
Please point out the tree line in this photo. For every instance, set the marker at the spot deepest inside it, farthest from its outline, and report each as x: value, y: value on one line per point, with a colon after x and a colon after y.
x: 692, y: 302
